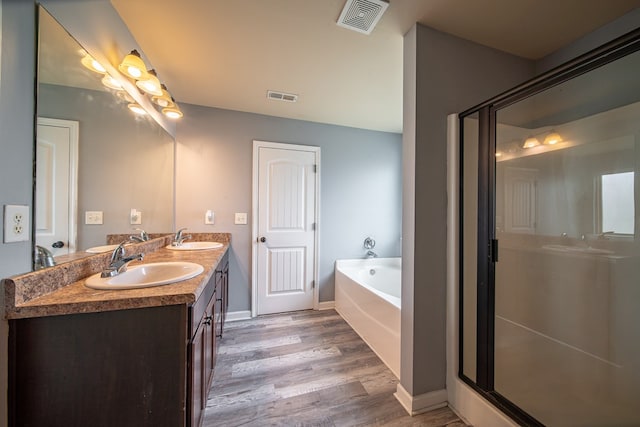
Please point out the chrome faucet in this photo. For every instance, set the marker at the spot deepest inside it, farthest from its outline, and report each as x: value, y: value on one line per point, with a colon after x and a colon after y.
x: 605, y: 234
x: 143, y: 237
x: 42, y: 258
x: 371, y: 254
x: 119, y: 262
x: 179, y: 238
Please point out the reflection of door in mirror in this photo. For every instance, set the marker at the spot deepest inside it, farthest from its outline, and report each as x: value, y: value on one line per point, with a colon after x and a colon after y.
x: 520, y: 200
x: 56, y: 185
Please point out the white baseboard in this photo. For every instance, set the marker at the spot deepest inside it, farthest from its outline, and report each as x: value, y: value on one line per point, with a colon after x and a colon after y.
x: 415, y: 405
x: 326, y: 305
x: 233, y: 316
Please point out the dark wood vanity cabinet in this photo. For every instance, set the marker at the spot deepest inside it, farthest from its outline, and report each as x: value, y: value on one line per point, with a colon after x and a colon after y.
x: 207, y: 326
x: 136, y: 367
x: 206, y: 339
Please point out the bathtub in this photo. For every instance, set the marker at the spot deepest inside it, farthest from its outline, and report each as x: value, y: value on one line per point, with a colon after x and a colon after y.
x: 368, y: 298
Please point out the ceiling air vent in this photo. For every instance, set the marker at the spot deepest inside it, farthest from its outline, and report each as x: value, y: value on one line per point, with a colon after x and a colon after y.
x: 281, y: 96
x: 362, y: 15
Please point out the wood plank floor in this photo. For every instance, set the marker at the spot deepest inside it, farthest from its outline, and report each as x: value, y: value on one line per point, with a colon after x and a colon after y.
x: 305, y: 368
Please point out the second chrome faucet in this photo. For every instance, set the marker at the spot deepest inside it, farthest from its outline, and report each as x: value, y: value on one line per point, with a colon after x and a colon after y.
x: 179, y: 238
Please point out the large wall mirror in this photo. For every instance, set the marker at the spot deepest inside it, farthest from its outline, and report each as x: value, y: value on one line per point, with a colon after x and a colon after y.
x: 96, y: 160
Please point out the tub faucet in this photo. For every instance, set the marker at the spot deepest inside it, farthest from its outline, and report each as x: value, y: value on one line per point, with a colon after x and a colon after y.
x: 179, y: 238
x: 119, y: 262
x: 43, y: 258
x: 371, y: 254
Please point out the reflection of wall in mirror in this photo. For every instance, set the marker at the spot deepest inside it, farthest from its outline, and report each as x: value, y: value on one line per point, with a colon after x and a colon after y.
x: 567, y: 197
x: 126, y: 162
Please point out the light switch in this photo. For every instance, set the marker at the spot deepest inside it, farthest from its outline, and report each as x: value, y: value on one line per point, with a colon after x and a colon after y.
x: 241, y: 218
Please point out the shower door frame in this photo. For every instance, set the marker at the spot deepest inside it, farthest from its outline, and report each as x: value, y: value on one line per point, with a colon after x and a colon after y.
x: 487, y: 243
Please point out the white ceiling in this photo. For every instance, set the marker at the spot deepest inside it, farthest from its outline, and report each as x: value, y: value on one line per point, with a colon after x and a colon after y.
x: 228, y: 53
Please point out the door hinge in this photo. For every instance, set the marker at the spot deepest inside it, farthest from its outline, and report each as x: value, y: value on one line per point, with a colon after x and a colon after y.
x: 313, y: 225
x: 315, y: 168
x: 313, y: 284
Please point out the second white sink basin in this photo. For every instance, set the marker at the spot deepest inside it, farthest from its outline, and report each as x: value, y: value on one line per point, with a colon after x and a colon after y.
x: 147, y: 275
x: 101, y: 249
x: 578, y: 249
x: 196, y: 246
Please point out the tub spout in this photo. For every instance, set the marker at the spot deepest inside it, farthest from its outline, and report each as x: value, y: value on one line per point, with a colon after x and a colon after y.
x: 371, y: 254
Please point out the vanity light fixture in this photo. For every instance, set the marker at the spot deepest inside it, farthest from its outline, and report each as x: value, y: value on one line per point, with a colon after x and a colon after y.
x: 531, y: 142
x: 136, y: 108
x: 552, y: 139
x: 111, y: 83
x: 90, y: 63
x: 163, y: 100
x: 150, y: 84
x: 133, y: 66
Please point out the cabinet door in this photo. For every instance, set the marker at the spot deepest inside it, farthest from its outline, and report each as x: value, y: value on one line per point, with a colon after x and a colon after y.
x: 196, y: 376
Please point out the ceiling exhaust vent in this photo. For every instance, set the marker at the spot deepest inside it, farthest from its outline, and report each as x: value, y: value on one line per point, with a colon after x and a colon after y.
x: 281, y: 96
x: 362, y: 15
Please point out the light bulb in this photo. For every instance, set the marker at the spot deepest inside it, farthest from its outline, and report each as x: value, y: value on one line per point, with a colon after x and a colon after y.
x: 92, y: 64
x: 552, y: 139
x: 111, y: 83
x: 531, y: 142
x: 136, y: 108
x: 172, y: 112
x: 150, y: 84
x: 133, y: 66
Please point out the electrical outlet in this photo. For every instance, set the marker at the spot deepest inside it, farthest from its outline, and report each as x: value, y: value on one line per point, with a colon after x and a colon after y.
x: 93, y: 217
x: 16, y: 223
x: 241, y: 218
x: 209, y: 217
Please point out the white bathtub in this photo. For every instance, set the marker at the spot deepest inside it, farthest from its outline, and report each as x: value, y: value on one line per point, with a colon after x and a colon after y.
x: 368, y: 298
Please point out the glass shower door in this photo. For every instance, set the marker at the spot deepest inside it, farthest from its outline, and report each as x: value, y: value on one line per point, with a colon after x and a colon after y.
x: 567, y: 283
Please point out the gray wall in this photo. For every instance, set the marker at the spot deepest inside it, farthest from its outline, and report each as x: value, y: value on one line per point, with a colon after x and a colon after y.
x: 360, y: 186
x: 16, y: 145
x: 125, y: 161
x: 451, y: 75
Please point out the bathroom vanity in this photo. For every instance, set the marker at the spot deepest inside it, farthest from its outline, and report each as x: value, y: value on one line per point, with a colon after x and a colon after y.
x: 139, y: 357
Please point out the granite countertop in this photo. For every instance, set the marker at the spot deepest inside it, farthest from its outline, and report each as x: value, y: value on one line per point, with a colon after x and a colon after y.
x: 60, y: 290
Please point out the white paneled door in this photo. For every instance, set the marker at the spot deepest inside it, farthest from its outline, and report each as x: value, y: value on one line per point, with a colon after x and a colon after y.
x: 56, y: 185
x: 285, y: 208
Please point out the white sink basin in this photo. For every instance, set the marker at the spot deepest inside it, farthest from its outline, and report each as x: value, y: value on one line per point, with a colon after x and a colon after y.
x: 195, y: 246
x: 147, y: 275
x: 101, y: 249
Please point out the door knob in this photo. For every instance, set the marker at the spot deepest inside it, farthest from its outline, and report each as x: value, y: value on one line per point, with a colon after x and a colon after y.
x: 59, y: 244
x: 263, y: 239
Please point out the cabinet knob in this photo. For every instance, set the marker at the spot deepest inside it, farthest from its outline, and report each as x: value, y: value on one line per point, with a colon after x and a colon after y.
x: 59, y: 244
x: 263, y: 239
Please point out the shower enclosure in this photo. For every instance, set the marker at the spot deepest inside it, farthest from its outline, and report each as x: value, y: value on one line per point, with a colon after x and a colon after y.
x: 550, y: 265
